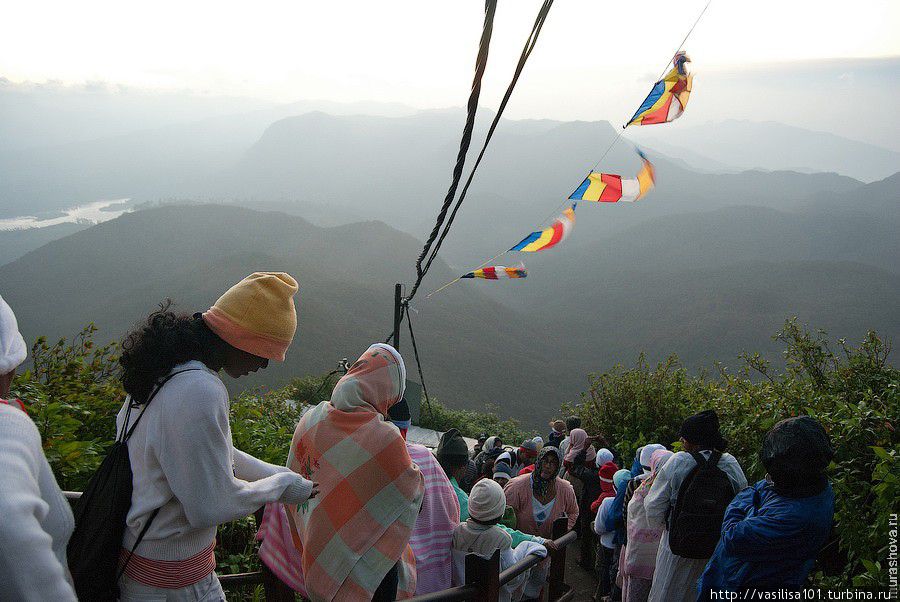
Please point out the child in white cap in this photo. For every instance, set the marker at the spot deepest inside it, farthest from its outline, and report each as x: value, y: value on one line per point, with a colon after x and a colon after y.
x: 481, y: 535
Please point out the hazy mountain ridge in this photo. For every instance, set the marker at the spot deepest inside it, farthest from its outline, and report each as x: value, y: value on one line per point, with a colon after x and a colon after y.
x: 115, y: 273
x: 709, y: 264
x: 776, y: 146
x: 525, y: 345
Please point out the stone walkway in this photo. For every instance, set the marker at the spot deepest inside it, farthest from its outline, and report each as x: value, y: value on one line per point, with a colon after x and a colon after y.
x: 584, y: 582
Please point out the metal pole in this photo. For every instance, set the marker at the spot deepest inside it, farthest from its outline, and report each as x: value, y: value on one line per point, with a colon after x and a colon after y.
x: 398, y: 297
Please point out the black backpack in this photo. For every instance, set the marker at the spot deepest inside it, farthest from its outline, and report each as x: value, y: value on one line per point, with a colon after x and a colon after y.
x: 695, y: 523
x: 94, y: 549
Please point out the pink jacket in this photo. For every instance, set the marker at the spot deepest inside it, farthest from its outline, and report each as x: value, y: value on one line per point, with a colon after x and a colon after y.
x: 519, y: 496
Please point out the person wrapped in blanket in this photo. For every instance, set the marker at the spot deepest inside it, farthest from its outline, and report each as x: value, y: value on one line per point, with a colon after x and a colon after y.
x: 482, y: 535
x: 354, y: 539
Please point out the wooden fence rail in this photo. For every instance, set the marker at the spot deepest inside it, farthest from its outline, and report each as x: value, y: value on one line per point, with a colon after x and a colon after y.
x: 483, y: 576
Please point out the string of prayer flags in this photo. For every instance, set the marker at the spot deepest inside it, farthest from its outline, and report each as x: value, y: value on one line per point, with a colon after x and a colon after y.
x: 549, y: 237
x: 610, y: 188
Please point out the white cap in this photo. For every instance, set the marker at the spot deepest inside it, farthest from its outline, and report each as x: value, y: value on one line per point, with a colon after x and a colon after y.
x: 487, y: 501
x: 12, y: 345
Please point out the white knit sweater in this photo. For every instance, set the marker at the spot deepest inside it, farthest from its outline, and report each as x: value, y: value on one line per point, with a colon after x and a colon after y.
x: 184, y: 463
x: 35, y: 519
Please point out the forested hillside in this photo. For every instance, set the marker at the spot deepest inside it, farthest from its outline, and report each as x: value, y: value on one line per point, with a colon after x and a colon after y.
x: 525, y: 346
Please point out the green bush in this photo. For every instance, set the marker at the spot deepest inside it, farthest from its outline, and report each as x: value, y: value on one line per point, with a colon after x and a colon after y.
x: 73, y: 395
x: 853, y: 392
x: 471, y: 423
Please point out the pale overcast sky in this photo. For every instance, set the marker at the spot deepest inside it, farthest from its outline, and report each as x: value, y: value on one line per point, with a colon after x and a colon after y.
x: 595, y: 58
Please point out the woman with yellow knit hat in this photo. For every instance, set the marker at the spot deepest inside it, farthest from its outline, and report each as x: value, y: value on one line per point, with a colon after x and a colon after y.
x: 187, y: 476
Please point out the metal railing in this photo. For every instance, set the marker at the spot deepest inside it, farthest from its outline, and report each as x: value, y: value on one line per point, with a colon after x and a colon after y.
x: 483, y: 576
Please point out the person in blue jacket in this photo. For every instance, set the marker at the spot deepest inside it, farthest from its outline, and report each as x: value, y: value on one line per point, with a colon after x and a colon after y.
x: 774, y: 530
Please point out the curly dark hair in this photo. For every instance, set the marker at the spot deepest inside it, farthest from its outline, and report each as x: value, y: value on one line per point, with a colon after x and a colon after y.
x: 165, y: 340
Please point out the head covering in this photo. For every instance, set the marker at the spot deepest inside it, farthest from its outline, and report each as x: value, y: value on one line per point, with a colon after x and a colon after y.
x: 502, y: 469
x: 529, y: 448
x: 257, y: 315
x: 621, y: 478
x: 578, y: 442
x: 636, y: 464
x: 572, y: 422
x: 400, y: 416
x: 377, y: 379
x: 657, y: 460
x: 703, y: 429
x: 452, y: 446
x: 796, y: 453
x: 370, y: 489
x: 490, y: 443
x: 487, y: 501
x: 606, y: 473
x: 603, y: 456
x: 12, y: 345
x: 538, y: 442
x: 506, y: 457
x: 540, y: 485
x: 559, y: 426
x: 647, y: 453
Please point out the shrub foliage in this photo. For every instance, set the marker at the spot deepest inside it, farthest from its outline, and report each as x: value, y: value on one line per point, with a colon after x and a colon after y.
x: 852, y: 390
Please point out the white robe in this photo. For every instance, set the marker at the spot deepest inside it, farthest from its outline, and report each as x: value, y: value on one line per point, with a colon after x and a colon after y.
x: 675, y: 577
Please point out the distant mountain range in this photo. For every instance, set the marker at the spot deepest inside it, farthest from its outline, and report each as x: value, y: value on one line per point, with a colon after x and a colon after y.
x: 116, y: 272
x: 669, y: 285
x: 265, y: 152
x: 708, y: 265
x: 775, y: 146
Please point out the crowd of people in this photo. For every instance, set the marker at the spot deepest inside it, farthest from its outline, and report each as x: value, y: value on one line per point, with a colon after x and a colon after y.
x: 359, y: 513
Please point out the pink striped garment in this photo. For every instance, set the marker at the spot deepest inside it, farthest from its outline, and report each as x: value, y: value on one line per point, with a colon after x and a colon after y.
x: 276, y: 551
x: 433, y: 531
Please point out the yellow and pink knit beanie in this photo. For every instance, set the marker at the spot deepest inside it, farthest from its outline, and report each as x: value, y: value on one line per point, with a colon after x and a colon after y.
x: 257, y: 314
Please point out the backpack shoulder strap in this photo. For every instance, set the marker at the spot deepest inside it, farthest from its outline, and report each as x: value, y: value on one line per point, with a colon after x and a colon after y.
x: 699, y: 458
x: 159, y: 386
x: 137, y: 542
x: 714, y: 458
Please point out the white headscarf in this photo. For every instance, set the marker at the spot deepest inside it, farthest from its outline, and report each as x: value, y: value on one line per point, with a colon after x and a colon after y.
x: 489, y: 444
x: 505, y: 457
x: 647, y: 453
x: 604, y: 456
x: 12, y: 345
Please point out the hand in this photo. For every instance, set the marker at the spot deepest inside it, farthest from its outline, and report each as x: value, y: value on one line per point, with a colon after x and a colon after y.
x: 551, y: 546
x: 315, y: 491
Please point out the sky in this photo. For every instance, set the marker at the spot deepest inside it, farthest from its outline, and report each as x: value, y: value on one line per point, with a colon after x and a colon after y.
x: 595, y: 59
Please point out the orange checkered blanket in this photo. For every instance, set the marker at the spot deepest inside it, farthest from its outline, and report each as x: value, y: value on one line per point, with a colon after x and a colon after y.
x: 359, y: 526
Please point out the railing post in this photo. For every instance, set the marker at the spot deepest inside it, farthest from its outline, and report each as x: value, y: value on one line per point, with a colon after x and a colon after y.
x: 556, y: 576
x: 275, y: 589
x: 484, y: 574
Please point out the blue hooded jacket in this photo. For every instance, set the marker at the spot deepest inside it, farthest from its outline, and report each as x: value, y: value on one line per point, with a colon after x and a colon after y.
x: 615, y: 520
x: 769, y: 541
